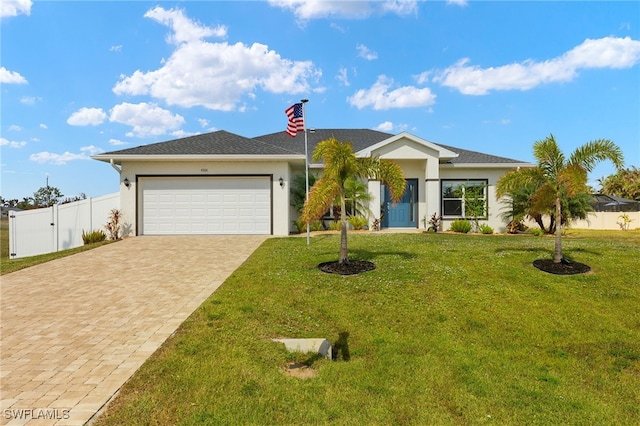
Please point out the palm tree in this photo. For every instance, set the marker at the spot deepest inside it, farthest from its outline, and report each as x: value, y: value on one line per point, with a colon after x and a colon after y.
x: 340, y: 165
x: 556, y: 178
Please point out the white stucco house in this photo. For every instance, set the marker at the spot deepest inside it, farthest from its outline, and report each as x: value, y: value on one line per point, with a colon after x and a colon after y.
x: 223, y: 183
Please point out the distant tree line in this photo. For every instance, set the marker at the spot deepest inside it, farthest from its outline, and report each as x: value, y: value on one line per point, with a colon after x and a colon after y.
x: 46, y: 196
x: 625, y: 183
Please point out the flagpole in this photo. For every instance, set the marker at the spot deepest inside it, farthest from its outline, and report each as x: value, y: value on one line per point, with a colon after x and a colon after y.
x: 306, y: 159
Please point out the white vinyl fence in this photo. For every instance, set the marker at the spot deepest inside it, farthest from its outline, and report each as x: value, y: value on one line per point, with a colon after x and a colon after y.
x: 600, y: 220
x: 40, y: 231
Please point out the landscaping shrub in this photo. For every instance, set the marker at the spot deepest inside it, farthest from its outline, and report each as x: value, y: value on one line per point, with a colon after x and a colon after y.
x: 334, y: 225
x: 316, y: 226
x: 91, y: 237
x: 486, y: 229
x: 302, y: 226
x: 536, y: 231
x: 357, y: 222
x: 461, y: 225
x: 433, y: 222
x: 113, y: 225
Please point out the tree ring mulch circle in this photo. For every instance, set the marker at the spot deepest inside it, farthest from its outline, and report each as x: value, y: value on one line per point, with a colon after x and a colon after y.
x: 351, y: 268
x: 562, y: 268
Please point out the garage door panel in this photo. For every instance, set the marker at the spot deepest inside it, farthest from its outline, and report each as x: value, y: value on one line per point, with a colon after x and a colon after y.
x: 181, y: 205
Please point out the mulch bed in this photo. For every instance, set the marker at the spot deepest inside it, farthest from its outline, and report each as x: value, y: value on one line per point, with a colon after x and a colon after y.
x: 351, y: 268
x: 562, y: 268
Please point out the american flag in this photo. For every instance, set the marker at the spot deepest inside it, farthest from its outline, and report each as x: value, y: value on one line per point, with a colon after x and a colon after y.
x: 296, y: 119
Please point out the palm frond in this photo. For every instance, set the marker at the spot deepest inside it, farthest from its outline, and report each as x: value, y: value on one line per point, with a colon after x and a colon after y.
x: 550, y: 158
x: 591, y: 153
x: 321, y: 197
x: 573, y: 179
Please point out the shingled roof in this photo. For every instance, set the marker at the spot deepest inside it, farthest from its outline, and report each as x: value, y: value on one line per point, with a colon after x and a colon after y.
x: 216, y: 143
x: 364, y: 138
x: 280, y: 144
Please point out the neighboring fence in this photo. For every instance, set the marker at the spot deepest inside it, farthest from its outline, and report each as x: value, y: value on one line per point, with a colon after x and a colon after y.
x: 40, y: 231
x: 600, y: 220
x: 607, y: 220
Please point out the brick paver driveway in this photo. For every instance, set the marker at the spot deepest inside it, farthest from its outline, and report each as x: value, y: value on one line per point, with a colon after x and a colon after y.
x: 75, y: 329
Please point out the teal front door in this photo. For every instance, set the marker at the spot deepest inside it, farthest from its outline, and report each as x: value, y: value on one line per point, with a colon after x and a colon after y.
x: 404, y: 213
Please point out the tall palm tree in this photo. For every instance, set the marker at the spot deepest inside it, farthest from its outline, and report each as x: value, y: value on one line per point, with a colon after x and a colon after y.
x: 340, y: 165
x: 557, y: 178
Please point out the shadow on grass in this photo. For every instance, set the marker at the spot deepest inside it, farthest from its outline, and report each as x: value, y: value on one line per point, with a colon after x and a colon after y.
x: 540, y: 250
x: 341, y: 347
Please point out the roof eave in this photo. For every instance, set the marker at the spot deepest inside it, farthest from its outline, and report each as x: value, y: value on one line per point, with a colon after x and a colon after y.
x: 486, y: 165
x: 118, y: 159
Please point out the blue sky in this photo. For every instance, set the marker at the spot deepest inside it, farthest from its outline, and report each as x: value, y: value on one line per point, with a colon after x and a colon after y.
x: 80, y: 78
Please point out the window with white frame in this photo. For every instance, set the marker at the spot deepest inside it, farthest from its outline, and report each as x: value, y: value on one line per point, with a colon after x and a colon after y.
x: 464, y: 198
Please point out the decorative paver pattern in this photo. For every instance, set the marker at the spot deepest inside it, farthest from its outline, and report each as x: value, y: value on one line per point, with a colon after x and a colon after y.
x: 75, y: 329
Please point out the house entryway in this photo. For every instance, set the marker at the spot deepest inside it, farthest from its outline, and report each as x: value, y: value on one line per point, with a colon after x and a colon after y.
x: 404, y: 214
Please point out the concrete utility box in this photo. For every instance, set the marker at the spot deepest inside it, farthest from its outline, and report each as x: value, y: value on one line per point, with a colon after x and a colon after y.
x: 319, y: 346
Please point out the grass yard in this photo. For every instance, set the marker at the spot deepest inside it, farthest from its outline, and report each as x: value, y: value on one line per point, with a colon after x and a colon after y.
x: 449, y: 329
x: 7, y: 265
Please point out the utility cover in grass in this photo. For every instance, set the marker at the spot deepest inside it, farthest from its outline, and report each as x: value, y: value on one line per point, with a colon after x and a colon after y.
x: 562, y: 268
x: 350, y: 268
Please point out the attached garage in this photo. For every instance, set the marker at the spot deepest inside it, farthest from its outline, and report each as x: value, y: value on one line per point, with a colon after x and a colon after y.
x: 179, y: 205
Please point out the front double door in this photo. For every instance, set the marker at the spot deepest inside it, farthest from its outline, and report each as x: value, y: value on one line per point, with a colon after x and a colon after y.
x: 404, y: 214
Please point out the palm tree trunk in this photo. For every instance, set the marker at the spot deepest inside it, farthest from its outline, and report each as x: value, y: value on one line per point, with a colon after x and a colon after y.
x: 557, y: 254
x: 344, y: 253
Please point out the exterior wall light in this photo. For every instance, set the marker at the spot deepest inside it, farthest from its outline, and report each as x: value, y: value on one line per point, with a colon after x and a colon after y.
x: 127, y: 183
x: 281, y: 182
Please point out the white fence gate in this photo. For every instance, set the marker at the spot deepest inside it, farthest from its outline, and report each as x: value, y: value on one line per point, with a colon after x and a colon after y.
x: 40, y: 231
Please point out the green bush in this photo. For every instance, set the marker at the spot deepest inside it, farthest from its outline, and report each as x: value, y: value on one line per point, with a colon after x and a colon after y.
x: 93, y: 236
x: 486, y: 229
x: 536, y: 232
x: 357, y: 222
x: 335, y: 225
x: 316, y: 226
x: 461, y: 225
x: 302, y: 226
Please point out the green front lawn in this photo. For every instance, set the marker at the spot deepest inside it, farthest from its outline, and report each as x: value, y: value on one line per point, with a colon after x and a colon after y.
x: 449, y: 329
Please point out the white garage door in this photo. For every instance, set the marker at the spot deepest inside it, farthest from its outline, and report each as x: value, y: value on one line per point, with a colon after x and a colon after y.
x: 206, y: 205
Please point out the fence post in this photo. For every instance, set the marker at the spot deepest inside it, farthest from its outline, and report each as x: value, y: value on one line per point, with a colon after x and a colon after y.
x: 54, y: 226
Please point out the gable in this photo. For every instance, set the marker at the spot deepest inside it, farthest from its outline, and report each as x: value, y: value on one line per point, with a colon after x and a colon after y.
x: 405, y: 149
x: 407, y: 146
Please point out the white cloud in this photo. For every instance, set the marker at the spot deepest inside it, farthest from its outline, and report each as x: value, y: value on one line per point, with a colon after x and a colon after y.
x: 343, y: 77
x: 15, y: 7
x: 30, y: 100
x: 45, y: 157
x: 386, y: 126
x: 12, y: 144
x: 15, y: 128
x: 608, y: 52
x: 316, y: 9
x: 400, y: 7
x: 117, y: 48
x: 457, y: 2
x: 43, y: 126
x: 203, y: 122
x: 146, y: 119
x: 117, y: 142
x: 87, y: 117
x: 366, y: 53
x: 380, y: 97
x: 184, y: 29
x: 216, y: 75
x: 11, y: 77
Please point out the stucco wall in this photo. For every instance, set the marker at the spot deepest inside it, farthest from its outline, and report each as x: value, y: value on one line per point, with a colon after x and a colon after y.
x: 276, y: 169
